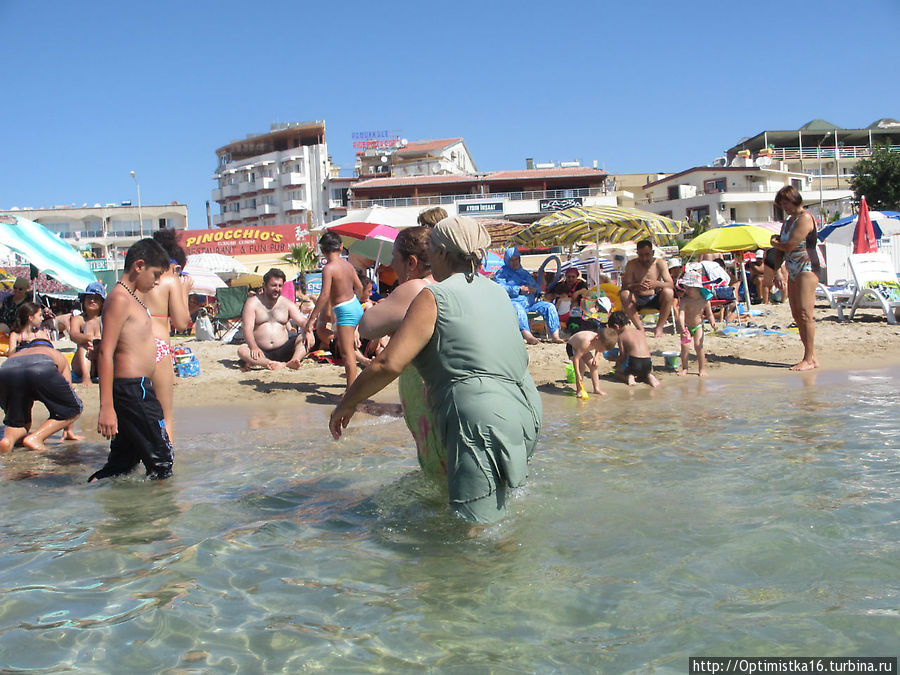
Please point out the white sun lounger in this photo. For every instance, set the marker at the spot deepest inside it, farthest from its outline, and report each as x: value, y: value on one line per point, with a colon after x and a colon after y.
x: 840, y: 296
x: 870, y: 269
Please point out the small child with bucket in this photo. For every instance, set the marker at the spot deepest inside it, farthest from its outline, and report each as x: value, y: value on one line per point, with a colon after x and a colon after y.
x: 693, y: 309
x: 580, y: 348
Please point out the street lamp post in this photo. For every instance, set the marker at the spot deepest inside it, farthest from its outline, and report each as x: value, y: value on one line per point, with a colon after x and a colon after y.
x: 821, y: 178
x: 141, y: 215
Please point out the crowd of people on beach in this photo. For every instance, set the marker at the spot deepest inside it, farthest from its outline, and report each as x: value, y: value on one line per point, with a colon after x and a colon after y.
x: 468, y: 398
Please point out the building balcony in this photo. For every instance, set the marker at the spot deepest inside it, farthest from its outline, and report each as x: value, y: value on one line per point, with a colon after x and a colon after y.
x: 530, y: 195
x: 293, y: 205
x: 217, y: 195
x: 248, y: 187
x: 293, y: 178
x: 219, y: 219
x: 264, y: 183
x: 825, y: 152
x: 230, y: 191
x: 266, y: 209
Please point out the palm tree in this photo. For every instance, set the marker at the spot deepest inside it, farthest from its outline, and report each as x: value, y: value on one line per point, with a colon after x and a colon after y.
x: 302, y: 257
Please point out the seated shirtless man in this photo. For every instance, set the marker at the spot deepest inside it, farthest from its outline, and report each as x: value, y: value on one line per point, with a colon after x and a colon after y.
x: 647, y: 283
x: 266, y: 319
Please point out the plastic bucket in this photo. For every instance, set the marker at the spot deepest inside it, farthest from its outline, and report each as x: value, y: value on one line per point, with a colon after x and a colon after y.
x: 673, y: 360
x: 570, y: 373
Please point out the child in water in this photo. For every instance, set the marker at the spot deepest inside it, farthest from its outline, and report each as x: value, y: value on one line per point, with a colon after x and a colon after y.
x: 693, y: 308
x: 581, y: 348
x: 633, y: 363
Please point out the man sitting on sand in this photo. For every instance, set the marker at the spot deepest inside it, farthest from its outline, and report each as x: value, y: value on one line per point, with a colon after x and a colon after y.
x: 634, y: 363
x: 266, y: 318
x: 38, y: 373
x: 647, y: 283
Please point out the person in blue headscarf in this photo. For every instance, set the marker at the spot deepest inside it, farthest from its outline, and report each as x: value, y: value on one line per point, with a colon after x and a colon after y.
x: 523, y: 290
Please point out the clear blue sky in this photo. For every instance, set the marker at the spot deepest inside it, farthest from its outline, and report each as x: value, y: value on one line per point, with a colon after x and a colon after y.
x: 92, y: 90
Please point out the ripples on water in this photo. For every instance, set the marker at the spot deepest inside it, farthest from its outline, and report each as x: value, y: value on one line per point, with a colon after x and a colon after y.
x: 749, y: 517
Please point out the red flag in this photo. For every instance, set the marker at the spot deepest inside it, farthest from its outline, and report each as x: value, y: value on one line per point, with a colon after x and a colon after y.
x: 864, y: 236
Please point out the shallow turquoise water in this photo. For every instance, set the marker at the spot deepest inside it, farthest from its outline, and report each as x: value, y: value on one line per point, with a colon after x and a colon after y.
x: 746, y: 517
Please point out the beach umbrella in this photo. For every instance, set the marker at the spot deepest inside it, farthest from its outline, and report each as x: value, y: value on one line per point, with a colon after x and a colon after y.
x: 597, y: 224
x: 884, y: 224
x: 45, y: 250
x: 501, y: 231
x: 864, y: 236
x: 217, y: 263
x: 374, y: 215
x: 729, y: 239
x: 250, y: 279
x: 369, y: 240
x: 205, y: 282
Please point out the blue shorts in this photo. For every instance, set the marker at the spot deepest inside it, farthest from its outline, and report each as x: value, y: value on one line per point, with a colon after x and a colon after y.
x: 348, y: 313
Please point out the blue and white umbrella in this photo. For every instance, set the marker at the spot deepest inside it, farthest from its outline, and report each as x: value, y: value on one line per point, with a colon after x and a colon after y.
x: 885, y: 224
x: 45, y: 250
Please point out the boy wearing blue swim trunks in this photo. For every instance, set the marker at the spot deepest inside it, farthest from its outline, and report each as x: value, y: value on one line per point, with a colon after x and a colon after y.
x: 340, y: 287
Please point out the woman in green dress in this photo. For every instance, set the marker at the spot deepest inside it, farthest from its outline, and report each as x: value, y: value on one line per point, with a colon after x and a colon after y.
x: 461, y: 335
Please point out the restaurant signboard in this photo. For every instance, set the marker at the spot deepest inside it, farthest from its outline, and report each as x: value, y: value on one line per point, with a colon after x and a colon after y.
x: 241, y: 241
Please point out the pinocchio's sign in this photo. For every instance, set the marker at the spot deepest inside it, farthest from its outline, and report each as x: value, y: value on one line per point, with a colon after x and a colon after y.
x: 275, y: 239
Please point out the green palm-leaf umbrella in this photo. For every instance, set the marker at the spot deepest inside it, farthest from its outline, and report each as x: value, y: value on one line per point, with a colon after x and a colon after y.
x: 597, y: 224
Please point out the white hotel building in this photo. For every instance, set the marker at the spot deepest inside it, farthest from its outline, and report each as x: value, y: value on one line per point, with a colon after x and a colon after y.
x: 281, y: 177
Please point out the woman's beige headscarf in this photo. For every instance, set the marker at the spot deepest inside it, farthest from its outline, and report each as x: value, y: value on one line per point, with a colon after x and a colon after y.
x: 462, y: 237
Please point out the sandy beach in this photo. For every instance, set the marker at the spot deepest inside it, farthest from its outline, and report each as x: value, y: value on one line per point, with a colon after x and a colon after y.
x: 867, y: 342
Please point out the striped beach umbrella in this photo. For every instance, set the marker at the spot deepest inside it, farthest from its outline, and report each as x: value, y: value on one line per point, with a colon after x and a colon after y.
x: 597, y: 224
x: 45, y: 250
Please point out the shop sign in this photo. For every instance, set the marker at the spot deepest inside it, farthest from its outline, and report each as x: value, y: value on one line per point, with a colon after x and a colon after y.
x: 382, y: 140
x: 254, y: 240
x: 560, y: 204
x: 480, y: 208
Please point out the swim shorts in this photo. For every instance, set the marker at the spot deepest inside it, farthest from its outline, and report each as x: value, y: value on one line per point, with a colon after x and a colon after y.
x: 639, y: 366
x: 142, y: 435
x: 647, y: 301
x: 163, y: 349
x: 285, y: 352
x: 348, y: 313
x: 569, y: 351
x: 35, y: 377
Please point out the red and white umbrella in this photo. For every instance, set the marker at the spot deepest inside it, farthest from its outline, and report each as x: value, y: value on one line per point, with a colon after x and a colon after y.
x: 864, y: 236
x: 369, y: 240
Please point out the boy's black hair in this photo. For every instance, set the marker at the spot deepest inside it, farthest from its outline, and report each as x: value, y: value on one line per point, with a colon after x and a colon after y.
x: 149, y: 251
x: 330, y: 242
x: 168, y: 239
x: 617, y: 318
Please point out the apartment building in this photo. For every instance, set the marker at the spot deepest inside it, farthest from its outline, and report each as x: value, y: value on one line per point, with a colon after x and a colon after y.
x: 283, y: 176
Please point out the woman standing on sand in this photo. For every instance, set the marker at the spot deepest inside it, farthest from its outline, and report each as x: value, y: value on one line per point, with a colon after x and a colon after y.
x: 796, y: 238
x: 485, y: 405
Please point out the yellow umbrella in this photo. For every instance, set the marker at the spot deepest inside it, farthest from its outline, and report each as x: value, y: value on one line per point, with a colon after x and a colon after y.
x: 250, y: 279
x: 729, y: 238
x: 598, y: 223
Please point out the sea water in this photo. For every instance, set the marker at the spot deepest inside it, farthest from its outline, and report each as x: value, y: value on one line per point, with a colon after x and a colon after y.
x: 756, y: 517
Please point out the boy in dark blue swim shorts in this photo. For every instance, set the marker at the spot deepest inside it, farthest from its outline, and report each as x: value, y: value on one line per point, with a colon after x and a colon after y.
x: 130, y: 414
x: 634, y: 363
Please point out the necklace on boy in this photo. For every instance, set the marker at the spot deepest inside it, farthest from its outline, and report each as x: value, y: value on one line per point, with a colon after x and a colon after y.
x: 134, y: 295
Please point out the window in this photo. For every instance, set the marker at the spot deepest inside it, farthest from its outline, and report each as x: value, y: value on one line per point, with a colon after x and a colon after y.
x: 714, y: 185
x: 673, y: 192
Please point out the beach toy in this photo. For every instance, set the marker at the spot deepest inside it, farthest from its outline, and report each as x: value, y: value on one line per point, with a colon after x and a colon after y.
x: 685, y: 338
x: 582, y: 394
x: 611, y: 354
x: 570, y: 373
x: 673, y: 360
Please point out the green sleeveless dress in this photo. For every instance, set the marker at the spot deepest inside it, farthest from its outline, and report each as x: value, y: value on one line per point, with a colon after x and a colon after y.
x: 486, y: 408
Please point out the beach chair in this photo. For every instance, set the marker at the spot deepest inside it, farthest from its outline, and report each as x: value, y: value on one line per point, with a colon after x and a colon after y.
x: 839, y: 296
x: 876, y: 284
x: 229, y: 306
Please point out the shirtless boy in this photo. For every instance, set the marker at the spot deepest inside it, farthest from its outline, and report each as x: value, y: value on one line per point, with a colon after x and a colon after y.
x: 581, y: 348
x: 130, y: 414
x: 646, y: 282
x: 36, y: 373
x: 633, y: 364
x: 340, y: 286
x: 693, y: 309
x: 84, y: 331
x: 266, y: 318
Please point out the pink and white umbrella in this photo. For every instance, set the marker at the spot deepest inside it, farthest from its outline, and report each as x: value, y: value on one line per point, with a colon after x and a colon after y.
x: 369, y: 240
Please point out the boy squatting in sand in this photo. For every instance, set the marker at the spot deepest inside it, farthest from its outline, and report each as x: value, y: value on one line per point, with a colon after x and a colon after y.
x: 340, y: 285
x: 130, y: 414
x: 693, y: 308
x: 633, y: 363
x: 581, y: 347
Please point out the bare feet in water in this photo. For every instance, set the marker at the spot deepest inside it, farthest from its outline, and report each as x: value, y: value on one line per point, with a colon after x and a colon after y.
x: 32, y: 443
x: 69, y: 435
x: 806, y: 365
